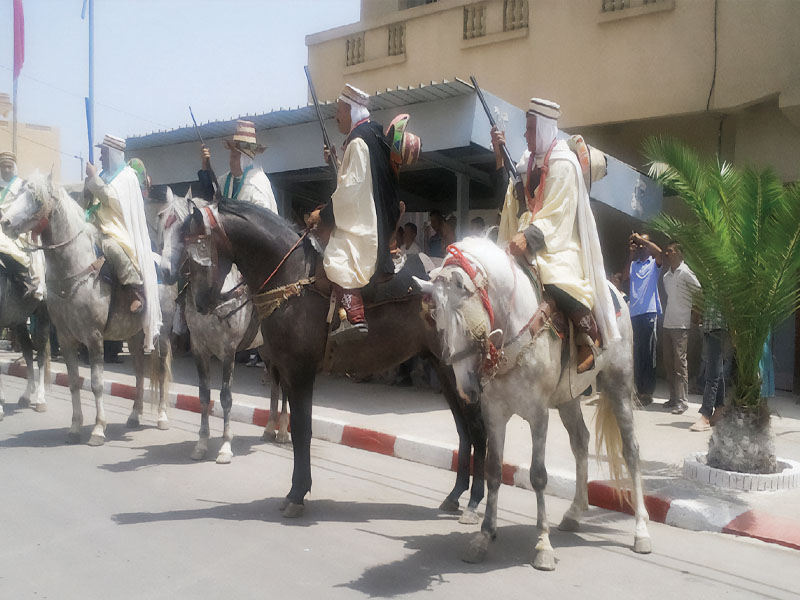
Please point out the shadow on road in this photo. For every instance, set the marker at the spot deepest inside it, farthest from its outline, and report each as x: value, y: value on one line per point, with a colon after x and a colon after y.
x: 267, y: 510
x: 52, y: 438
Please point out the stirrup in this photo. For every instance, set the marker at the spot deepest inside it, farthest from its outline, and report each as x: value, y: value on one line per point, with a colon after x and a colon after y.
x: 347, y: 332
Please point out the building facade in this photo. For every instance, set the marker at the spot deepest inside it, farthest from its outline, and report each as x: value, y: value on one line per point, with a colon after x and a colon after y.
x: 723, y: 75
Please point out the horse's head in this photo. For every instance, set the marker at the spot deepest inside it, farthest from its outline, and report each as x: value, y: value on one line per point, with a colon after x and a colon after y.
x: 463, y: 325
x: 30, y: 206
x: 200, y: 242
x: 173, y: 222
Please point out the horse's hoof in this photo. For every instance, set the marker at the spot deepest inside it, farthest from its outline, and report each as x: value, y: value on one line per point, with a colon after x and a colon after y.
x: 40, y: 407
x: 642, y: 545
x: 449, y: 505
x: 73, y: 438
x: 2, y: 414
x: 293, y: 511
x: 283, y: 504
x: 162, y: 424
x: 568, y: 524
x: 132, y: 423
x: 283, y: 438
x: 477, y: 548
x: 224, y: 458
x: 468, y: 517
x: 269, y: 436
x: 199, y: 453
x: 545, y: 560
x: 24, y: 402
x: 97, y: 440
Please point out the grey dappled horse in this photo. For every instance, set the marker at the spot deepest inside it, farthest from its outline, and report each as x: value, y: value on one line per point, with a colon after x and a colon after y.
x: 14, y: 313
x: 220, y: 325
x: 534, y: 378
x: 81, y: 303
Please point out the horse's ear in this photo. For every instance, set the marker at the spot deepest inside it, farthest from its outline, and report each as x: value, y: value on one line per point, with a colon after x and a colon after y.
x: 170, y: 195
x: 197, y: 214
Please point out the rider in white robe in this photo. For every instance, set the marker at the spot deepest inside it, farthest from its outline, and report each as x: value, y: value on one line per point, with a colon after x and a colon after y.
x: 558, y: 232
x: 27, y: 267
x: 117, y: 209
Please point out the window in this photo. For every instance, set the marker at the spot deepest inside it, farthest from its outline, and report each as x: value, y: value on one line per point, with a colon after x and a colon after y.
x: 404, y: 4
x: 355, y: 49
x: 612, y: 5
x: 474, y: 21
x: 515, y: 14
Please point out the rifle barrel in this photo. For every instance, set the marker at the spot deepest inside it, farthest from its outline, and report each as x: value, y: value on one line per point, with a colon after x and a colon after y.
x: 331, y: 150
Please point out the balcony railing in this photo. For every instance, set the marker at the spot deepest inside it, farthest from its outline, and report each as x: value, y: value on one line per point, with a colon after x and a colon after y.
x: 397, y: 39
x: 613, y: 5
x: 474, y: 21
x: 515, y: 14
x: 355, y: 49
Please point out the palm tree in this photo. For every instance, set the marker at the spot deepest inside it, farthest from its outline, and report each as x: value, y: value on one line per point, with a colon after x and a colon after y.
x: 744, y: 246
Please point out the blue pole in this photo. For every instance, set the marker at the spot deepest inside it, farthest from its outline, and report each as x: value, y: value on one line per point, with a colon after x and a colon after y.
x: 90, y: 99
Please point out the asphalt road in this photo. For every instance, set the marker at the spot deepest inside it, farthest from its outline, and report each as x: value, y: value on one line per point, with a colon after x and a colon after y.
x: 137, y: 518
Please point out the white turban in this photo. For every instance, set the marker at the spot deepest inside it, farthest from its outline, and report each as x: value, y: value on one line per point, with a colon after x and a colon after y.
x: 546, y: 131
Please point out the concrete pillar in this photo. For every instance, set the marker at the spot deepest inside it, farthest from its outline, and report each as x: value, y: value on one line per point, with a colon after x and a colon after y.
x: 462, y: 205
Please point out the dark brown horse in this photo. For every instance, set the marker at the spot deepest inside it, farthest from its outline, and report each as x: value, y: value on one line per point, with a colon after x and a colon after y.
x: 257, y: 241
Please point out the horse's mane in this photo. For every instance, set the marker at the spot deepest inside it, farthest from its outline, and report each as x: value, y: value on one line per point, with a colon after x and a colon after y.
x: 43, y: 187
x: 267, y: 223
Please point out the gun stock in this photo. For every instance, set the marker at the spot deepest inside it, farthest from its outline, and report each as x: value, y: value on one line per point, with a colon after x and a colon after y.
x: 332, y: 162
x: 508, y: 163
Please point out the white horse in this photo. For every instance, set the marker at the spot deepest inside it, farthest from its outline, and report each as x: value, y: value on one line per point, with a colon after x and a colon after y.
x: 84, y: 307
x: 533, y: 374
x: 221, y: 322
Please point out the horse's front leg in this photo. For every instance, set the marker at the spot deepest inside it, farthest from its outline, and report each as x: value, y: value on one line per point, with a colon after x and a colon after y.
x: 202, y: 362
x: 300, y: 396
x: 27, y: 352
x: 69, y: 350
x: 42, y: 357
x: 95, y: 347
x: 136, y: 348
x: 572, y: 418
x: 495, y: 422
x: 2, y: 400
x: 163, y: 365
x: 545, y: 559
x: 283, y: 436
x: 226, y: 400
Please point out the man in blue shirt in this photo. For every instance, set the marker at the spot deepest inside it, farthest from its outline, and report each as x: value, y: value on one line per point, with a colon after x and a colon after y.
x: 644, y: 268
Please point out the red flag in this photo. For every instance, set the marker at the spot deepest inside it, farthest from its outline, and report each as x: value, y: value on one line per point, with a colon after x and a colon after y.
x: 19, y: 38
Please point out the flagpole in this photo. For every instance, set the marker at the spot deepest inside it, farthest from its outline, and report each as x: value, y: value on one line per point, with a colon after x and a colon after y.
x: 90, y: 98
x: 14, y: 129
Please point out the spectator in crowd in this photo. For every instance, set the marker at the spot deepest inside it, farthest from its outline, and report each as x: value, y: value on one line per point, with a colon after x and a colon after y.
x: 644, y: 266
x: 435, y: 246
x: 714, y: 340
x: 680, y: 285
x: 477, y: 226
x: 410, y: 239
x: 449, y: 231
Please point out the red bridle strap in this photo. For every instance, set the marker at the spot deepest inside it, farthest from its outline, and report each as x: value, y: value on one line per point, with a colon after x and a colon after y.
x: 458, y: 259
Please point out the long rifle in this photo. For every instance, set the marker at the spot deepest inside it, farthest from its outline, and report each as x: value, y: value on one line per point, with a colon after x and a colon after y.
x: 511, y: 168
x: 332, y: 163
x: 212, y: 176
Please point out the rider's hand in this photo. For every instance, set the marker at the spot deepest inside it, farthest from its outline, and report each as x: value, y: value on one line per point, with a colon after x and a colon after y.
x: 498, y: 141
x: 326, y: 152
x: 518, y: 245
x: 205, y: 158
x: 91, y: 170
x: 313, y: 219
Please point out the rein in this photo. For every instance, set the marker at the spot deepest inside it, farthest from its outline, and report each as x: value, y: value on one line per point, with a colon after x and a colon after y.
x: 280, y: 264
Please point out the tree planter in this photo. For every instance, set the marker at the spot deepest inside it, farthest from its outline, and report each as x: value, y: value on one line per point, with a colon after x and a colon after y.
x: 786, y: 478
x: 742, y: 441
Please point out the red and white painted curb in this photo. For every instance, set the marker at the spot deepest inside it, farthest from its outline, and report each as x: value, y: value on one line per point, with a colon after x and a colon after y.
x: 697, y: 514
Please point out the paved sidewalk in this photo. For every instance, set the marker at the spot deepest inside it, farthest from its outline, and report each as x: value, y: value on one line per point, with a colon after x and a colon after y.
x: 415, y: 424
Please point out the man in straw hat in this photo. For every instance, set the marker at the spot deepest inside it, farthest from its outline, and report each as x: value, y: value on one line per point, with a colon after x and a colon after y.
x: 16, y: 261
x: 245, y: 181
x: 364, y: 209
x: 558, y: 230
x: 117, y: 209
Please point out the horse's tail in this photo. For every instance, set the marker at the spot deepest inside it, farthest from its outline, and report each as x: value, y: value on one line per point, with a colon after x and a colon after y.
x: 608, y: 435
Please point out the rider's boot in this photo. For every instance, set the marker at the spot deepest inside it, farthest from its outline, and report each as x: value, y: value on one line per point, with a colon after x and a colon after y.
x: 137, y: 294
x: 586, y: 337
x: 352, y: 324
x: 22, y: 276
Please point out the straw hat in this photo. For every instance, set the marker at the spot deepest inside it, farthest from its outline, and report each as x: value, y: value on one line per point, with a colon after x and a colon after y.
x: 405, y: 146
x: 4, y: 156
x: 244, y: 140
